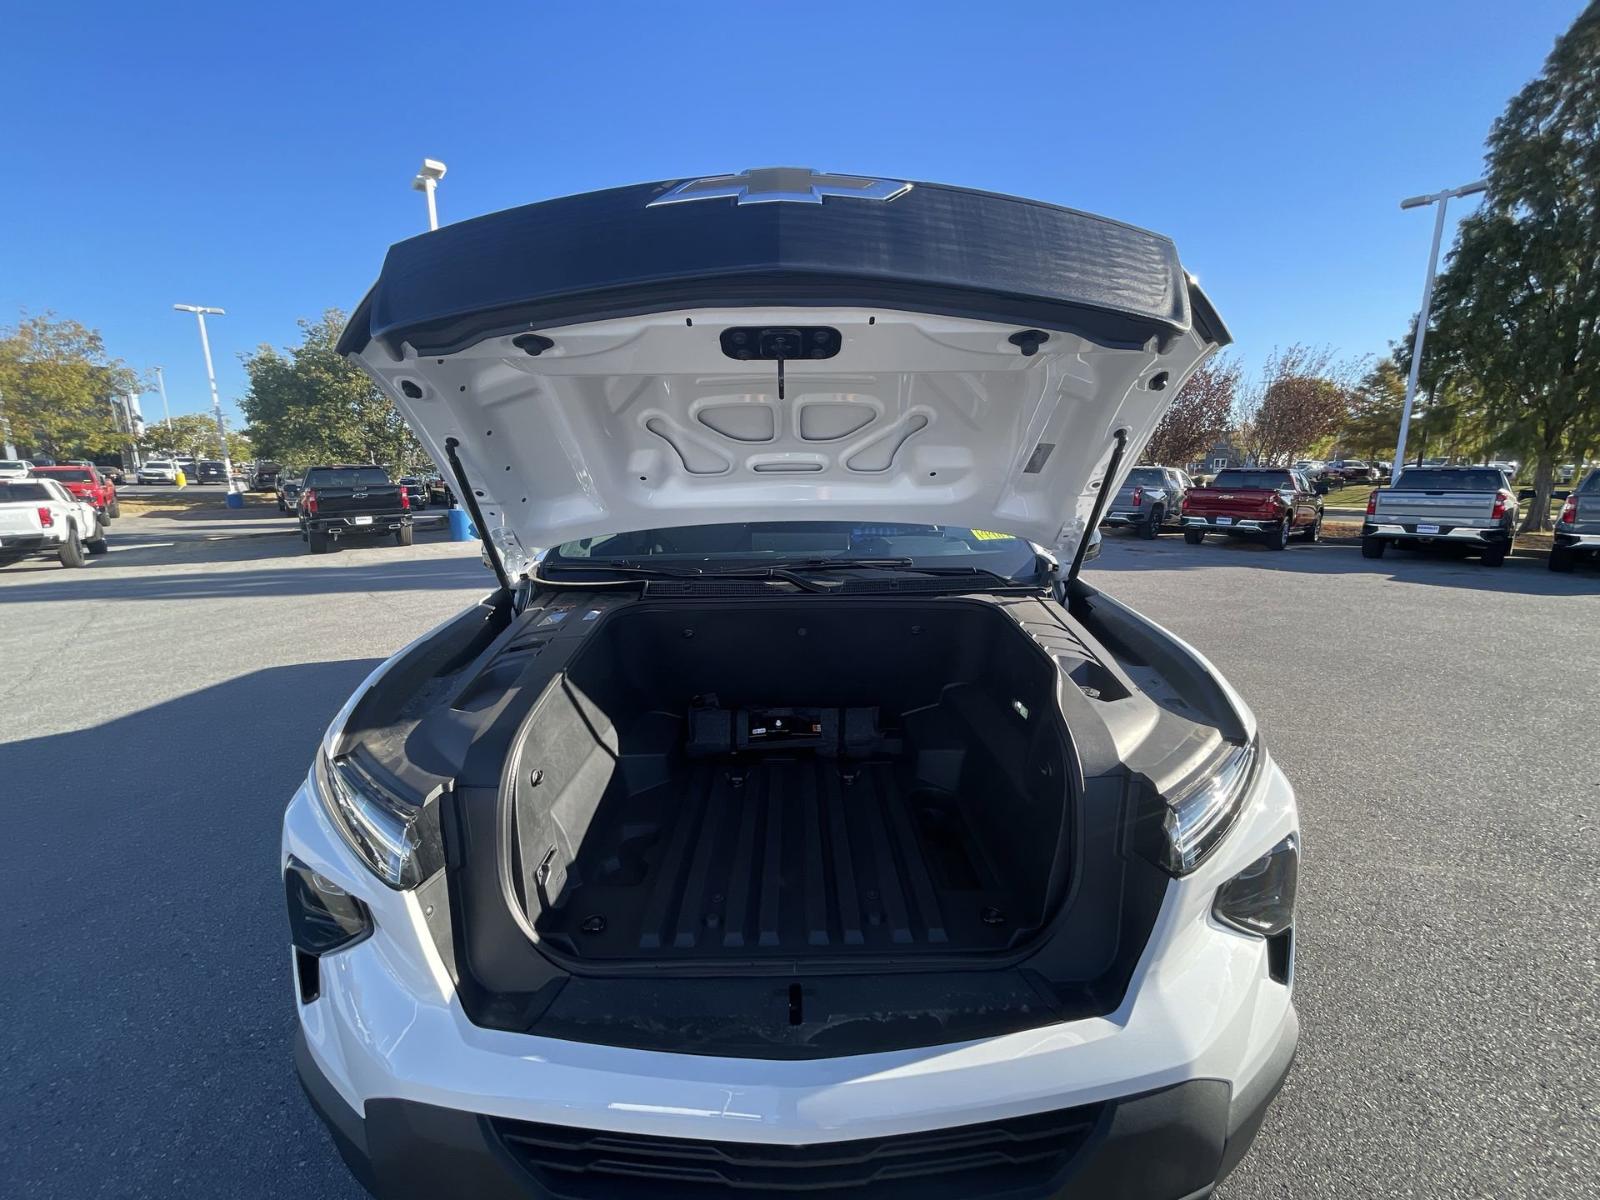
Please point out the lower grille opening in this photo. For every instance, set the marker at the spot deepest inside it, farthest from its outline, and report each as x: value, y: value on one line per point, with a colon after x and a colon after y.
x: 1280, y: 956
x: 308, y: 975
x: 1017, y: 1153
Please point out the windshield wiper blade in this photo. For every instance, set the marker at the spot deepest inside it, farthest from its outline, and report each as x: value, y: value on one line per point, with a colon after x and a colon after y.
x: 640, y: 571
x: 623, y: 567
x: 832, y: 564
x: 907, y: 564
x: 794, y: 571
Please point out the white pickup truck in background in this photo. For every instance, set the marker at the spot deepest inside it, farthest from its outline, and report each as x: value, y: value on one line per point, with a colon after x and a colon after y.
x: 39, y: 516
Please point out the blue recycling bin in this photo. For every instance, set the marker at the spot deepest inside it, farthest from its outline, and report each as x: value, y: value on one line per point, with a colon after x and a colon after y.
x: 461, y: 528
x: 235, y: 500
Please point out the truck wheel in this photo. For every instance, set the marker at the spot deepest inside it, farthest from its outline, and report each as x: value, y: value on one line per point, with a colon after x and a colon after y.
x: 116, y: 508
x: 1278, y: 536
x: 1495, y: 556
x: 405, y: 535
x: 319, y: 542
x: 71, y: 552
x: 97, y: 544
x: 1373, y: 547
x: 1314, y: 533
x: 1563, y: 559
x: 1152, y: 528
x: 1194, y: 536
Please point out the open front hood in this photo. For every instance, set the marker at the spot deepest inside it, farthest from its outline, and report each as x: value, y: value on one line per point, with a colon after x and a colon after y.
x: 690, y: 352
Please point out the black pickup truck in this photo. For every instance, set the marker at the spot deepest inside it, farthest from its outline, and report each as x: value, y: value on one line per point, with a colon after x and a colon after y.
x: 352, y: 501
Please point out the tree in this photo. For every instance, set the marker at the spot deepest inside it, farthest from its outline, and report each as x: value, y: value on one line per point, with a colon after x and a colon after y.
x: 309, y: 404
x: 194, y: 435
x: 1372, y: 426
x: 1517, y: 309
x: 1199, y: 415
x: 1301, y: 399
x: 56, y: 384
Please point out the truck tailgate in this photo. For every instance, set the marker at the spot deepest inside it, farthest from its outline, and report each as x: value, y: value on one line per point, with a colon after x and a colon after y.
x: 1249, y: 503
x: 19, y: 518
x: 349, y: 502
x: 1588, y: 511
x: 1433, y: 508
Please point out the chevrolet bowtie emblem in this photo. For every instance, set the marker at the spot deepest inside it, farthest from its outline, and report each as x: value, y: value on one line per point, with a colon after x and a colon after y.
x: 778, y: 185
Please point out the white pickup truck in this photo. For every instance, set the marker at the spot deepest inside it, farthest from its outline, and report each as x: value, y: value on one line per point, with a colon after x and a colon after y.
x: 39, y: 516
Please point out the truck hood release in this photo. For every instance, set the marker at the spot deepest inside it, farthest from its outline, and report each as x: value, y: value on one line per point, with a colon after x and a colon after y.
x: 919, y: 354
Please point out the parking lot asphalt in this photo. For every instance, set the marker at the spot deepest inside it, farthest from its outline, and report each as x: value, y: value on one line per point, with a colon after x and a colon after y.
x: 1437, y: 718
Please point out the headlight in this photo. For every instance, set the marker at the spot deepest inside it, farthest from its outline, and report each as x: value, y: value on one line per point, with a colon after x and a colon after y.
x: 1204, y: 810
x: 1260, y: 898
x: 382, y: 829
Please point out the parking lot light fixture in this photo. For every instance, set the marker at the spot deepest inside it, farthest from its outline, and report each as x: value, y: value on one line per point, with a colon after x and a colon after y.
x: 426, y: 182
x: 1441, y: 199
x: 201, y: 312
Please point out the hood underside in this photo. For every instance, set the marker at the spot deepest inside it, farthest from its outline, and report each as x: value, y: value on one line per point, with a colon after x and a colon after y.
x: 735, y: 387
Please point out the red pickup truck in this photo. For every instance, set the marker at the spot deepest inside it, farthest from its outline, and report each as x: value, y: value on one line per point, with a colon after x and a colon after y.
x: 1273, y: 504
x: 85, y: 483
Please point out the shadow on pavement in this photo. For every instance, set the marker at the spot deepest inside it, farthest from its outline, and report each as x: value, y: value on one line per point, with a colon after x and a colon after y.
x: 133, y: 569
x: 145, y: 927
x: 1436, y: 568
x: 402, y: 574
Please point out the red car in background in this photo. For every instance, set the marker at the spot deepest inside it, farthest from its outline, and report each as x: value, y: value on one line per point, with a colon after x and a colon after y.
x: 1273, y: 504
x: 85, y: 483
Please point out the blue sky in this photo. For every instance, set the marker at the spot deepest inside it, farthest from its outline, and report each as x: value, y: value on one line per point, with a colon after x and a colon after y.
x: 257, y: 157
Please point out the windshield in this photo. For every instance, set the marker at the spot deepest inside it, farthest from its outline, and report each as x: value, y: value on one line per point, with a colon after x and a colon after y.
x: 157, y: 464
x: 1146, y: 477
x: 24, y: 491
x: 347, y: 477
x: 729, y: 547
x: 1234, y: 478
x: 70, y: 474
x: 1452, y: 480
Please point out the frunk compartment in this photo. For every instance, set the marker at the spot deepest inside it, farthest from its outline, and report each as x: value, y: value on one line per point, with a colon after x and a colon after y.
x: 826, y: 779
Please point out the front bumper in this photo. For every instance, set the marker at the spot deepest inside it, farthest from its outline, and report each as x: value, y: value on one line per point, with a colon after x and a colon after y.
x: 1171, y: 1144
x: 1174, y: 1083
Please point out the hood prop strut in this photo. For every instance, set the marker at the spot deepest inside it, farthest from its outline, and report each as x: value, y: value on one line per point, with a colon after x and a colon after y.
x: 471, y: 501
x: 1100, y: 503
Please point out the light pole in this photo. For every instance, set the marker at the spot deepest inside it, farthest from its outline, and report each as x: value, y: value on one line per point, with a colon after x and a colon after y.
x: 426, y: 181
x: 6, y: 448
x: 166, y: 413
x: 200, y: 313
x: 1441, y: 199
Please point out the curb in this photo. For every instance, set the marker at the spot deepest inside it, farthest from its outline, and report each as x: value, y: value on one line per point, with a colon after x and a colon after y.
x: 1531, y: 553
